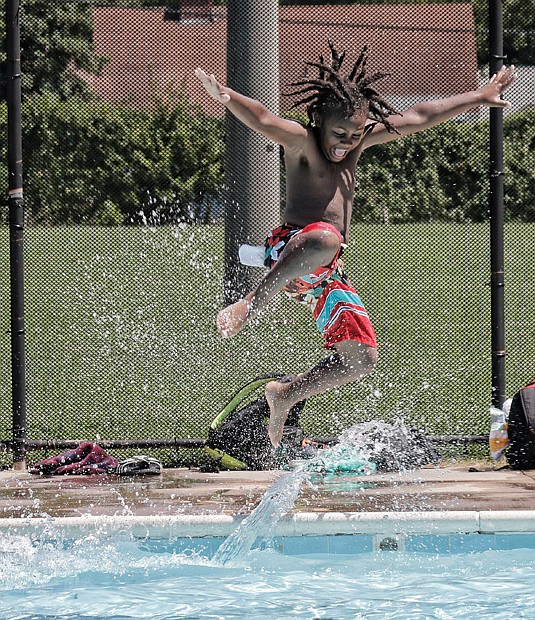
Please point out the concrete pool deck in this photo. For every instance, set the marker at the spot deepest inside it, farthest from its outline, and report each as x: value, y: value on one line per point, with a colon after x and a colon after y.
x: 190, y: 492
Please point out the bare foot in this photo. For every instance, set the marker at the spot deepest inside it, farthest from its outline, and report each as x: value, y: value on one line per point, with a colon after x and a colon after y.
x: 279, y: 411
x: 231, y: 319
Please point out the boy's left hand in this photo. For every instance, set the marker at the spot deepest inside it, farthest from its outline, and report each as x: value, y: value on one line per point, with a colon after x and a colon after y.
x: 212, y: 86
x: 496, y: 86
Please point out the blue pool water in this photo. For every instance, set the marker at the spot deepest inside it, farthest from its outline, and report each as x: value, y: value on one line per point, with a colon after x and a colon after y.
x: 120, y: 578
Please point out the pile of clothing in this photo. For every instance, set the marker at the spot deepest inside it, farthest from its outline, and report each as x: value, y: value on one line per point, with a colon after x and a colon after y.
x: 89, y: 458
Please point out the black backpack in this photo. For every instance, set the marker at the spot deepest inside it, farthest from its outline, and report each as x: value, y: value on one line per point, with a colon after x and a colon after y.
x: 521, y: 429
x: 238, y: 437
x: 396, y: 447
x: 391, y: 447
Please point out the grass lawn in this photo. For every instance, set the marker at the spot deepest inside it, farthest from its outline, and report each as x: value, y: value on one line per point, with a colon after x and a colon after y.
x: 121, y: 343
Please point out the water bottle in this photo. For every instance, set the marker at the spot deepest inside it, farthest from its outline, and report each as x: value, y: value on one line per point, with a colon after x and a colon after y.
x: 498, y: 438
x: 252, y: 255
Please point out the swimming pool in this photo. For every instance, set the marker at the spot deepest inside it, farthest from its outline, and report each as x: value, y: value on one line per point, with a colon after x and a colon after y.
x: 403, y: 566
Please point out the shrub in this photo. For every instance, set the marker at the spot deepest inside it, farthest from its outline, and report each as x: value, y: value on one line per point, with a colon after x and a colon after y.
x: 99, y: 163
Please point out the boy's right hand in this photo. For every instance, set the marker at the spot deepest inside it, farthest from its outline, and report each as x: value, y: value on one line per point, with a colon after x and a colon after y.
x: 212, y: 86
x: 493, y: 90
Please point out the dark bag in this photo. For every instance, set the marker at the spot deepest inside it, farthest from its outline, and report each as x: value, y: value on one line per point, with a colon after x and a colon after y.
x: 521, y: 429
x: 238, y: 437
x: 394, y: 447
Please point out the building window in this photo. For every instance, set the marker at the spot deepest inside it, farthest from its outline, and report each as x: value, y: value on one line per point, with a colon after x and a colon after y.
x: 190, y: 12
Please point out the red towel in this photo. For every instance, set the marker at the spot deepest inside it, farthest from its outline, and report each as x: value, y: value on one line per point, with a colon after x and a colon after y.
x: 87, y: 458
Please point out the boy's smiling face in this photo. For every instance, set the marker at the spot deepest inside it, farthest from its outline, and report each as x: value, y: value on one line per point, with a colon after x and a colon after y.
x: 339, y: 135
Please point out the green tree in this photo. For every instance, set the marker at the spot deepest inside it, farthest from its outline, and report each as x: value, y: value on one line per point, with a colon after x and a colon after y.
x: 518, y: 31
x: 56, y: 43
x: 443, y: 174
x: 77, y: 160
x: 178, y: 160
x: 98, y: 163
x: 431, y: 176
x: 519, y: 160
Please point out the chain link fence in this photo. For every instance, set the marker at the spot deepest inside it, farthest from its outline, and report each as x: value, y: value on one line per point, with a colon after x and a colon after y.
x: 124, y: 179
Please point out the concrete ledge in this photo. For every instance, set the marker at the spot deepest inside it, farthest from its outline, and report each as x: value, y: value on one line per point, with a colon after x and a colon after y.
x: 507, y: 521
x: 386, y: 523
x: 299, y: 524
x: 197, y: 526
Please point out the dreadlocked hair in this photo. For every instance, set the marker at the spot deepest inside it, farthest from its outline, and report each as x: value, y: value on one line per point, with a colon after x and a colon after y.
x: 351, y: 93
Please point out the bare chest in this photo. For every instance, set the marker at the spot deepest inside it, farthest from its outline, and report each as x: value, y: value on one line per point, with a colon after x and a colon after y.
x: 313, y: 175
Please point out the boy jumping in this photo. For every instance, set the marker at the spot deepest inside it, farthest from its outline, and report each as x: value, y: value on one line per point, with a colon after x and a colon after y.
x: 346, y: 116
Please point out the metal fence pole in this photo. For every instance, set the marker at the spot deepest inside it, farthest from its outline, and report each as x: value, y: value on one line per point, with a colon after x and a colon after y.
x: 497, y: 212
x: 252, y: 166
x: 16, y: 232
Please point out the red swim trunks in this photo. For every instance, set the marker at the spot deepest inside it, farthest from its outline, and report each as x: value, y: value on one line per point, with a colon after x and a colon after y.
x: 337, y: 309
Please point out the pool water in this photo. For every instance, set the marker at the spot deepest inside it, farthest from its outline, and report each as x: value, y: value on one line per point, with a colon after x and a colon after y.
x: 119, y: 578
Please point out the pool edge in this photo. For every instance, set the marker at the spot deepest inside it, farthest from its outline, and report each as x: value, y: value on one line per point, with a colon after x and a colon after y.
x: 295, y: 524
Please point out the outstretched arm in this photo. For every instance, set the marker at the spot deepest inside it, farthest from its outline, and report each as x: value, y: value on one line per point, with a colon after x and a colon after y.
x: 430, y: 113
x: 253, y: 113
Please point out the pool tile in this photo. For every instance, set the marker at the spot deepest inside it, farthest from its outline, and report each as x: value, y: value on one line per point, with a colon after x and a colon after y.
x: 350, y: 544
x: 276, y: 543
x: 185, y: 545
x: 428, y: 543
x: 215, y: 543
x: 188, y: 546
x: 515, y: 541
x: 299, y: 545
x: 469, y: 543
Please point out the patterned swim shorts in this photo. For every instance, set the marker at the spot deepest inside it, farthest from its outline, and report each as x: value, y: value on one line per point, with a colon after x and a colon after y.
x: 337, y: 309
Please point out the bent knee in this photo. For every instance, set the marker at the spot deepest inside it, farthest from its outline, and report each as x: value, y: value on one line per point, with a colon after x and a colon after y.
x: 325, y: 244
x: 366, y: 362
x: 372, y: 358
x: 359, y: 359
x: 323, y: 239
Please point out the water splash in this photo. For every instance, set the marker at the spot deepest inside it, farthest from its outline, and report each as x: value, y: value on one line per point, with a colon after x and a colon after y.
x: 361, y: 450
x: 390, y: 447
x: 280, y: 498
x: 276, y: 502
